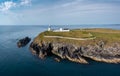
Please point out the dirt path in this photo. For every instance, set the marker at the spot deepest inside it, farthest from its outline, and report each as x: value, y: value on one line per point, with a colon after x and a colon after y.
x: 70, y: 38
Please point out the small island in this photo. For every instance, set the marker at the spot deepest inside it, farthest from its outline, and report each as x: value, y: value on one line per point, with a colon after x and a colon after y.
x: 23, y: 42
x: 76, y: 45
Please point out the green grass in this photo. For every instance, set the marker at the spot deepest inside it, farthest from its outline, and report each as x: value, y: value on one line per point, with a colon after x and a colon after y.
x: 72, y: 33
x: 107, y: 35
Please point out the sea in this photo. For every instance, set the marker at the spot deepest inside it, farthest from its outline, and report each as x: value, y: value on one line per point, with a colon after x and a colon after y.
x: 16, y: 61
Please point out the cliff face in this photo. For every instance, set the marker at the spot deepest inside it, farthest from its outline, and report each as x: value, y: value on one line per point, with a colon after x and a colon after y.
x: 98, y: 52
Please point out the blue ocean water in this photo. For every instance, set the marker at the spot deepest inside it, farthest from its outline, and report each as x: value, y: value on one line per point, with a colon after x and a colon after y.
x: 20, y: 62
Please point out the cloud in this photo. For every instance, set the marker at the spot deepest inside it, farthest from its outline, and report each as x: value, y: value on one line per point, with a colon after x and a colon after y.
x: 81, y: 6
x: 7, y: 5
x: 76, y: 6
x: 68, y: 11
x: 25, y: 2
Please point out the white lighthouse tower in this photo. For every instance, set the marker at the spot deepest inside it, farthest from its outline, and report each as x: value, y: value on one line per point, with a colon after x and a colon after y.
x: 49, y: 29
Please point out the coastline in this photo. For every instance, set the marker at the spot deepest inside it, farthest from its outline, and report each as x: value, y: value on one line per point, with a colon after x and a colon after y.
x: 99, y: 51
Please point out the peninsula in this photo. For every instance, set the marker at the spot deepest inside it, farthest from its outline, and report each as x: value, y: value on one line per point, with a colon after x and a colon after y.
x: 76, y: 45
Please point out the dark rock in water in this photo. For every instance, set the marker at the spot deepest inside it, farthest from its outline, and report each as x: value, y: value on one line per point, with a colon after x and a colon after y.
x: 23, y: 42
x: 57, y: 59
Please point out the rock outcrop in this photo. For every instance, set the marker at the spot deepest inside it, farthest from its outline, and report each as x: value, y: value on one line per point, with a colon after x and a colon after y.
x: 98, y: 52
x: 23, y: 42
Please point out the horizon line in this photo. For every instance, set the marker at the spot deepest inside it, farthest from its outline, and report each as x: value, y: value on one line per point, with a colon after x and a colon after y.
x: 59, y: 24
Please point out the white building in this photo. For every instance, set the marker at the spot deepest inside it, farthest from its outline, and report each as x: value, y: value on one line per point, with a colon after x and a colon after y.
x: 49, y: 28
x: 58, y: 30
x: 61, y: 30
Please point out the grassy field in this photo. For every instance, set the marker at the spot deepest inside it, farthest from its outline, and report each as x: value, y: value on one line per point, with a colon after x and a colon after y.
x: 109, y: 36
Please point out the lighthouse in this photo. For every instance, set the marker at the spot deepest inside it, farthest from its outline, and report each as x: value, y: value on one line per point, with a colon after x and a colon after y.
x: 49, y: 29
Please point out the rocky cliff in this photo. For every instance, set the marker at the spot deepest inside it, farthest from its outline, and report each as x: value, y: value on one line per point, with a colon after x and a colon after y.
x: 97, y: 52
x: 78, y: 45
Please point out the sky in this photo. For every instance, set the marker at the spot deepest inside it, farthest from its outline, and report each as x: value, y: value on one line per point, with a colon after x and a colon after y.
x: 59, y: 12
